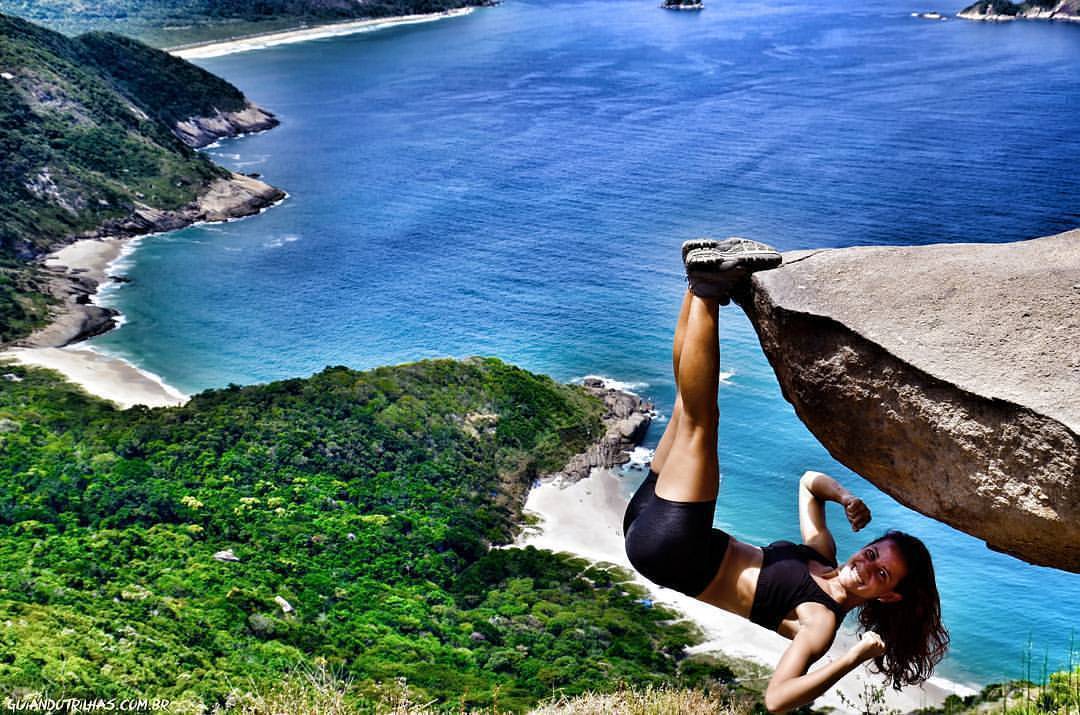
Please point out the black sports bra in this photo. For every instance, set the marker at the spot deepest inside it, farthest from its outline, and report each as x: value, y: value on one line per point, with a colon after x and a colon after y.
x: 785, y: 582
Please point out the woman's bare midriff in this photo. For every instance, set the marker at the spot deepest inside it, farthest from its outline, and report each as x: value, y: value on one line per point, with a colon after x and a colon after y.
x: 733, y: 587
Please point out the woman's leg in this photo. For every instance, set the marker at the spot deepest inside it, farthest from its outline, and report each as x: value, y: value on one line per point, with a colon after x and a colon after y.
x: 689, y: 471
x: 668, y: 524
x: 668, y: 438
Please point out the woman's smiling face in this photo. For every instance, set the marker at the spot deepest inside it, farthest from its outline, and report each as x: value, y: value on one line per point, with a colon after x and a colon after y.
x: 874, y: 571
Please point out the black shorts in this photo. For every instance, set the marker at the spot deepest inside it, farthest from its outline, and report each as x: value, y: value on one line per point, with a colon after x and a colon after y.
x: 673, y: 544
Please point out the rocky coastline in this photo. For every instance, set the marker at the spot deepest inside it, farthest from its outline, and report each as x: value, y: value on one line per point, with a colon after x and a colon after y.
x: 626, y: 420
x: 198, y: 132
x: 75, y: 317
x: 991, y: 11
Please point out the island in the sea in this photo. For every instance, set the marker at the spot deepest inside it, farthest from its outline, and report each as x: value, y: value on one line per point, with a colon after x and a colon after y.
x: 683, y: 5
x: 1005, y: 11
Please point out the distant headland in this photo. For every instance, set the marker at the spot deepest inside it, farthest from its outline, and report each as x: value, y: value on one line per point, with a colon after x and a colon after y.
x: 1005, y: 11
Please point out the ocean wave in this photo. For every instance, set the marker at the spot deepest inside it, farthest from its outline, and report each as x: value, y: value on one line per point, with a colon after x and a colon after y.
x: 612, y: 383
x: 280, y: 241
x: 640, y: 459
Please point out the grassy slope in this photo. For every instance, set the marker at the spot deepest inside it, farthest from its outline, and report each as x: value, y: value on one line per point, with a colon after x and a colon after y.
x: 366, y: 500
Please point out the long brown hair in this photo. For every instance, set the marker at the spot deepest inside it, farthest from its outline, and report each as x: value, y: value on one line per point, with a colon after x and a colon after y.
x: 915, y: 639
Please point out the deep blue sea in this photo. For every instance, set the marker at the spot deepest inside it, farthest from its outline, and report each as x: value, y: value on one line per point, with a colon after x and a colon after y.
x: 517, y: 183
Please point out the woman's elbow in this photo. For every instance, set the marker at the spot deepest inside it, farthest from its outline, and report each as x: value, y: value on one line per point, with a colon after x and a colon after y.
x: 808, y: 477
x: 774, y: 703
x: 780, y: 699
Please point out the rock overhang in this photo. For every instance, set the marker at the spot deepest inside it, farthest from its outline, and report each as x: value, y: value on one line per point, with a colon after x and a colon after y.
x: 948, y: 375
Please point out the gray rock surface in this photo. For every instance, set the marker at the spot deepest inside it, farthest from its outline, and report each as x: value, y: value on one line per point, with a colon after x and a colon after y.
x: 947, y: 375
x: 984, y: 10
x: 201, y: 131
x: 626, y: 420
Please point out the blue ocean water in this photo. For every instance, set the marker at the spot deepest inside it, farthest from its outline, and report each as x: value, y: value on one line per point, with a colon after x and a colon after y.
x: 517, y: 183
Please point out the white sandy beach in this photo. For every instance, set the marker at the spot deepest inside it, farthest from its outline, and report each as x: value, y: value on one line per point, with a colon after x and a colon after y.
x: 258, y: 42
x: 585, y: 518
x: 99, y: 374
x: 108, y: 377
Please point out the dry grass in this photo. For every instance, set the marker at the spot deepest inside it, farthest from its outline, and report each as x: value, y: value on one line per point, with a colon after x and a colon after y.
x: 302, y: 692
x: 319, y: 691
x: 651, y: 701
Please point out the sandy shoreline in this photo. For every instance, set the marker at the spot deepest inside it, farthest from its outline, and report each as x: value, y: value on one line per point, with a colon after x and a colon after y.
x: 585, y: 518
x: 318, y: 32
x: 109, y: 377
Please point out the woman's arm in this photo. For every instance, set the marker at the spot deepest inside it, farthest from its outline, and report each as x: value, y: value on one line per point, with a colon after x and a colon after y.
x: 791, y: 686
x: 815, y: 489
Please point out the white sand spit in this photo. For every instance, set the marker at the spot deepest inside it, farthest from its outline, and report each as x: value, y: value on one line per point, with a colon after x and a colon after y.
x: 259, y: 42
x: 108, y: 377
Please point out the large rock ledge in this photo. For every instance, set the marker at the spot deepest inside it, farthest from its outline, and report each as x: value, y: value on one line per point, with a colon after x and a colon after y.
x: 947, y: 375
x: 200, y: 131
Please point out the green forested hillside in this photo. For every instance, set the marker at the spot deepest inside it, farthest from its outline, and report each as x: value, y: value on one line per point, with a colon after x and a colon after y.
x: 367, y: 501
x: 86, y: 135
x: 167, y: 88
x: 171, y: 22
x: 86, y: 131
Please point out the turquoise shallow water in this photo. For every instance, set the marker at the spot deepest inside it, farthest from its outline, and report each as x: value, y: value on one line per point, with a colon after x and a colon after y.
x: 517, y: 183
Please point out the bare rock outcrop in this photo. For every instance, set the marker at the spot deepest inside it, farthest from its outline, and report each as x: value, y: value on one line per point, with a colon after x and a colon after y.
x: 199, y: 131
x: 76, y: 318
x: 1004, y: 11
x: 947, y: 375
x: 223, y: 199
x: 626, y: 420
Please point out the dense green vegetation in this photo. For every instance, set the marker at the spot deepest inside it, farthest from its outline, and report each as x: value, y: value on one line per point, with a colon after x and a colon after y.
x: 167, y: 23
x: 86, y: 134
x: 86, y: 131
x: 368, y: 501
x: 24, y: 301
x: 167, y: 88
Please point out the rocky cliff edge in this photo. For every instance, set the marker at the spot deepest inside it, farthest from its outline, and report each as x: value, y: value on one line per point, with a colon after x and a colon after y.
x: 947, y: 375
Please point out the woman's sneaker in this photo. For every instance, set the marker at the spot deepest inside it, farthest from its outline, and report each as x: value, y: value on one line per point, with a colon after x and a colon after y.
x: 715, y: 268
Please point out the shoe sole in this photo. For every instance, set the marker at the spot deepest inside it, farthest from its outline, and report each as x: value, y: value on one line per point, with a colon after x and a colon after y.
x: 712, y: 260
x: 734, y: 247
x: 695, y: 243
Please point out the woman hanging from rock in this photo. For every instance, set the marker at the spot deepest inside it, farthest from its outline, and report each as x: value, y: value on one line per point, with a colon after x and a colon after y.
x: 797, y: 590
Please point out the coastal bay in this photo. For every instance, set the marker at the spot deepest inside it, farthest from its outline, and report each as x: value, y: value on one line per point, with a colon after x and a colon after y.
x: 473, y: 204
x: 79, y: 269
